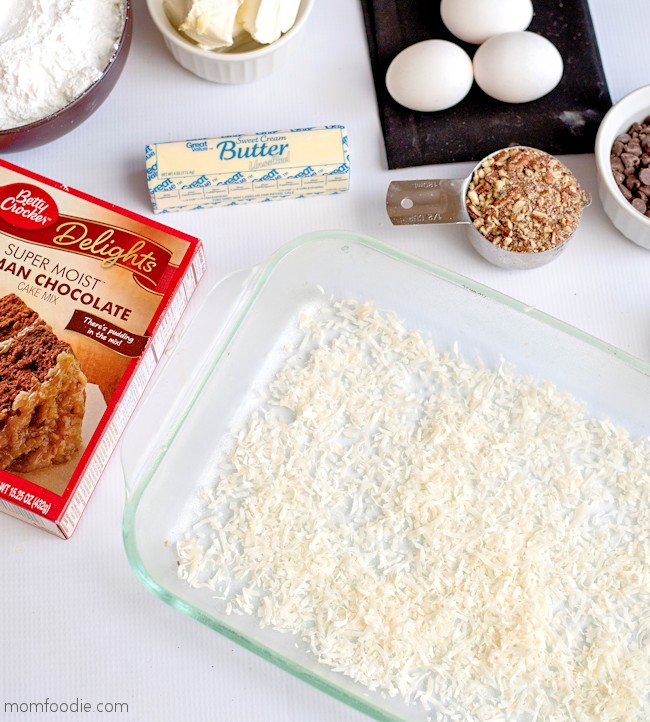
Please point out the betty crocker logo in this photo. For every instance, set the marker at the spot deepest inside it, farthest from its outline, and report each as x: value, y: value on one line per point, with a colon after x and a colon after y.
x: 27, y: 206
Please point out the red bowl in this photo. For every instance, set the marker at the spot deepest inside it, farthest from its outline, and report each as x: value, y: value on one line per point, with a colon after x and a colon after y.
x: 68, y: 118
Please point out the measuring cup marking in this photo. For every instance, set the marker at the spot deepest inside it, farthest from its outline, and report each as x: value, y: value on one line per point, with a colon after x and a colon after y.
x: 423, y: 202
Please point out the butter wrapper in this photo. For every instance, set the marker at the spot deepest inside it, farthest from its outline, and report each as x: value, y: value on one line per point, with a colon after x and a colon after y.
x: 237, y: 169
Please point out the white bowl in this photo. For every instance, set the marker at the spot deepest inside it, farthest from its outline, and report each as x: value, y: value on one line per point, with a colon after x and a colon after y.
x: 240, y: 66
x: 634, y: 107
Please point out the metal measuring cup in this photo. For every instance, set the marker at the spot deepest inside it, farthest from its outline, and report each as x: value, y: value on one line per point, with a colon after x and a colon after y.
x: 444, y: 201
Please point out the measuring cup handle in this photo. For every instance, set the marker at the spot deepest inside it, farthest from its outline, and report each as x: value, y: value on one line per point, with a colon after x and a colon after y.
x: 417, y: 202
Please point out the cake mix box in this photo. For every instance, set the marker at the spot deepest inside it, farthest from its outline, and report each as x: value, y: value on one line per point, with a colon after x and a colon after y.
x: 90, y: 295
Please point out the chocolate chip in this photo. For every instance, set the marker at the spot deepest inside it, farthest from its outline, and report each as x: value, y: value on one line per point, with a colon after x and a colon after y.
x: 630, y: 159
x: 617, y: 164
x: 639, y: 205
x: 634, y: 147
x: 626, y: 192
x: 630, y: 163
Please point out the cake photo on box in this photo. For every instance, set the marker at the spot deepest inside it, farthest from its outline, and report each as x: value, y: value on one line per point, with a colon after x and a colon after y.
x: 42, y: 391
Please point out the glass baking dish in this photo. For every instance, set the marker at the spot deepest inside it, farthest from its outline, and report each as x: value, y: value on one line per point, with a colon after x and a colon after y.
x: 238, y: 340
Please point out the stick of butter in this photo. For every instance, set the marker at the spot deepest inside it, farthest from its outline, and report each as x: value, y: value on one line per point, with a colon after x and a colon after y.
x: 236, y: 169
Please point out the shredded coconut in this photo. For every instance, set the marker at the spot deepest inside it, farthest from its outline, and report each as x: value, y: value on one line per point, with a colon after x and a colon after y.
x: 51, y: 51
x: 464, y: 538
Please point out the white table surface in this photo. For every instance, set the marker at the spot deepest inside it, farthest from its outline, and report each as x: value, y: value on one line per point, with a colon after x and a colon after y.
x: 74, y: 621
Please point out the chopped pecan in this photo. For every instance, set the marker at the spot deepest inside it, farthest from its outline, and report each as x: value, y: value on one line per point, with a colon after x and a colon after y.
x: 525, y: 200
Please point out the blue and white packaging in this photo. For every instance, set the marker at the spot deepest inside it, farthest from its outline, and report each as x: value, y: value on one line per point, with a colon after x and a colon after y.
x: 237, y: 169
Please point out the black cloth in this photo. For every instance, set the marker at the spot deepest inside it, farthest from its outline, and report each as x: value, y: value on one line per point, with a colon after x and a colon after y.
x: 564, y: 121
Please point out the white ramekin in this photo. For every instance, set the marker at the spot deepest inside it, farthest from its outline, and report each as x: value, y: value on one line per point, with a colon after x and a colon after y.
x: 227, y: 67
x: 634, y: 107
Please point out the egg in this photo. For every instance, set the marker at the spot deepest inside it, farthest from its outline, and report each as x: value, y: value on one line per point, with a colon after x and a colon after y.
x: 474, y: 21
x: 430, y: 75
x: 517, y: 67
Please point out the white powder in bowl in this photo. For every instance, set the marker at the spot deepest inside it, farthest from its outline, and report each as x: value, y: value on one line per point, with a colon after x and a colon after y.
x: 51, y: 51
